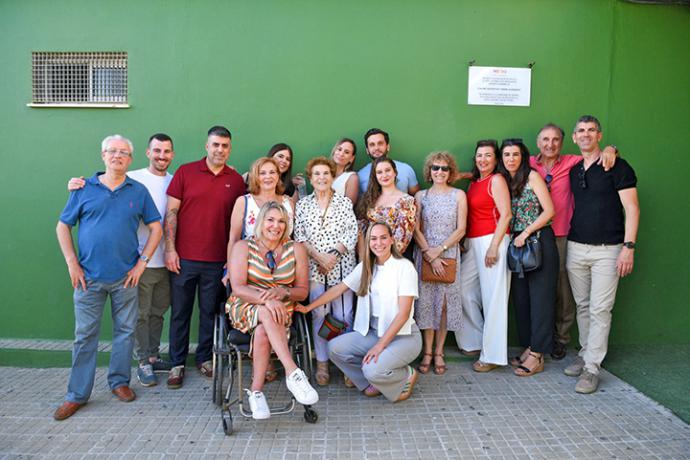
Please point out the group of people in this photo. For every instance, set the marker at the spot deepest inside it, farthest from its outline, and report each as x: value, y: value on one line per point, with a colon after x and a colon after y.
x: 345, y: 254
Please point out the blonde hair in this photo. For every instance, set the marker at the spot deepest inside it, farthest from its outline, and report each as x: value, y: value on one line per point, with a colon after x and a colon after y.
x: 269, y: 206
x: 440, y: 156
x: 368, y: 259
x: 253, y: 184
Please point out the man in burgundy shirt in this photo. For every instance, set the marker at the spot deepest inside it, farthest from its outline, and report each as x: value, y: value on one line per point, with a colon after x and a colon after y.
x: 200, y: 200
x: 555, y: 169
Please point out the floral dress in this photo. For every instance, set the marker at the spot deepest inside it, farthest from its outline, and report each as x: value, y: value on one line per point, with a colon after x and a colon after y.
x: 243, y: 315
x: 439, y: 219
x: 400, y: 217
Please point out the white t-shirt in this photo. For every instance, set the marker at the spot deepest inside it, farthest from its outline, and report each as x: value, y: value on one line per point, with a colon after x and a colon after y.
x: 156, y: 185
x: 395, y: 278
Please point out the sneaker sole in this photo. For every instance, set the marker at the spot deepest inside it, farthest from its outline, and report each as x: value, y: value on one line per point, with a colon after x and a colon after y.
x: 587, y: 391
x: 152, y: 384
x: 174, y: 386
x: 572, y: 373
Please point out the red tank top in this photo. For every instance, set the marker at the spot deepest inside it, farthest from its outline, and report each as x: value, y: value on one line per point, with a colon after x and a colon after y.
x: 482, y: 215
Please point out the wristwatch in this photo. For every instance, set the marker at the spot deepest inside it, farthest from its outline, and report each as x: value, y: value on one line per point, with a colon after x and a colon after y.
x: 629, y: 244
x: 145, y: 258
x: 445, y: 248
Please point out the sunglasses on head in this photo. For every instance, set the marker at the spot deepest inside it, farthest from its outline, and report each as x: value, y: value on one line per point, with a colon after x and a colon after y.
x: 442, y: 168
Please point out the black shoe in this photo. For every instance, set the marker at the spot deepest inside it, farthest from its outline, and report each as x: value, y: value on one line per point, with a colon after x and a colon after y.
x: 160, y: 365
x: 559, y: 351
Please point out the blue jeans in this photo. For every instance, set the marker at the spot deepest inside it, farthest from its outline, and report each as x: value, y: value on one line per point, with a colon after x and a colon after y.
x: 88, y: 310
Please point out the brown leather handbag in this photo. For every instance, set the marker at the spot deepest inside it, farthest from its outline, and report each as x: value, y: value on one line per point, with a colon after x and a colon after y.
x: 449, y: 276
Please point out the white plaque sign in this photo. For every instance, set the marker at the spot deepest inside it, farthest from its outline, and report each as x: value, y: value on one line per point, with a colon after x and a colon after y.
x: 499, y: 86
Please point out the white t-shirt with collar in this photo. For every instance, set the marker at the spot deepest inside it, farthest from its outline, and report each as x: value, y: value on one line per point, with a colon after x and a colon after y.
x: 393, y: 279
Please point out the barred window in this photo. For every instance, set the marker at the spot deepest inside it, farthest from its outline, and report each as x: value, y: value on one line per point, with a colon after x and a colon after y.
x: 79, y: 79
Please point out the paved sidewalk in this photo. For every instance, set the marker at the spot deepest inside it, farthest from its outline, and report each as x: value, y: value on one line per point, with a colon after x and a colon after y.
x: 459, y: 415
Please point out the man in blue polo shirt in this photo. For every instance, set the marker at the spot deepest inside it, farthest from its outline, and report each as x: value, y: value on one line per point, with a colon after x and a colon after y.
x: 377, y: 143
x: 108, y: 210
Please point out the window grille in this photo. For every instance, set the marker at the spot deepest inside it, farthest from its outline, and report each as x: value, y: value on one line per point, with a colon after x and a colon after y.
x: 79, y: 79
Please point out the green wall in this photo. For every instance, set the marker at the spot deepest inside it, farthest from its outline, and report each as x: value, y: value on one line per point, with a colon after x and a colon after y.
x: 307, y: 72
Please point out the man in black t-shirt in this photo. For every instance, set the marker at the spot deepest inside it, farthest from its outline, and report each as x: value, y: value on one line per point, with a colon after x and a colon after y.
x: 601, y: 247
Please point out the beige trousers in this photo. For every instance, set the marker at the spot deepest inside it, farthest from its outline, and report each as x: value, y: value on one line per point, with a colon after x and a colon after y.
x: 565, y: 305
x: 593, y: 278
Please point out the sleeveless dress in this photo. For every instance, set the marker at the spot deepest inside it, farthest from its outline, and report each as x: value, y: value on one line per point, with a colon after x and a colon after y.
x: 251, y: 212
x: 243, y: 315
x: 440, y: 218
x: 340, y: 182
x: 400, y: 217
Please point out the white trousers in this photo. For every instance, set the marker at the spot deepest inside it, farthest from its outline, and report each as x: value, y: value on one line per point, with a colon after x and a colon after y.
x: 594, y: 280
x: 485, y: 302
x: 340, y: 308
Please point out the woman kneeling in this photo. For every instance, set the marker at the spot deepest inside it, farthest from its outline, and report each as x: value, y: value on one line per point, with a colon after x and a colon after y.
x: 376, y: 356
x: 268, y: 274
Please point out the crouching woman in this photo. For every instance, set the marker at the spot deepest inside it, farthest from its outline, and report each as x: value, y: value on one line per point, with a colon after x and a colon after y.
x: 377, y: 354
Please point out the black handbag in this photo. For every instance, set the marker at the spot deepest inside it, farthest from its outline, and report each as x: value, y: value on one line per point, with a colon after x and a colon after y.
x: 526, y: 258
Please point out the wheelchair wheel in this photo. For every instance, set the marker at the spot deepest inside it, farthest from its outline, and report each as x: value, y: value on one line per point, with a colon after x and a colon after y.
x: 227, y: 422
x: 310, y: 415
x: 302, y: 349
x: 218, y: 371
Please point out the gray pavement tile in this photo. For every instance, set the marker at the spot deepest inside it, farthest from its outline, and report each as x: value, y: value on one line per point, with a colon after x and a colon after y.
x: 459, y: 415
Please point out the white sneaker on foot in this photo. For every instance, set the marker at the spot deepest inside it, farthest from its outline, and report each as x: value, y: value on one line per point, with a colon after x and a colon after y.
x: 258, y: 405
x: 299, y: 386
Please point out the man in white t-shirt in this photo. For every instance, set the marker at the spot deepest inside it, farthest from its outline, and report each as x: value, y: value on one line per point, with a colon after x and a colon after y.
x: 154, y: 285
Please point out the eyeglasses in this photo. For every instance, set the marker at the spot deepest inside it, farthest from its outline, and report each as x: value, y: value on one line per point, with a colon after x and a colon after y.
x: 442, y: 168
x: 117, y: 152
x: 581, y: 176
x: 548, y: 180
x: 271, y: 261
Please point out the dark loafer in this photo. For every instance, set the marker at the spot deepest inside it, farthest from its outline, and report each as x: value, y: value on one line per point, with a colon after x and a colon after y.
x: 67, y: 410
x: 124, y: 394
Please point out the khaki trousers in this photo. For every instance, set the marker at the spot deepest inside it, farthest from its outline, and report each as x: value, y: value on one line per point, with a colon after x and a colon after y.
x: 565, y: 304
x: 593, y: 277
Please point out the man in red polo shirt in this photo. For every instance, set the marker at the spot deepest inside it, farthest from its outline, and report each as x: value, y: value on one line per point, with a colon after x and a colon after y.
x: 555, y: 168
x: 200, y: 200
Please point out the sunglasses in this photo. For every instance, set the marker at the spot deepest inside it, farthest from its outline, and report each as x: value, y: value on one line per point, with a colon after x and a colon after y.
x: 442, y: 168
x: 548, y: 180
x: 271, y: 261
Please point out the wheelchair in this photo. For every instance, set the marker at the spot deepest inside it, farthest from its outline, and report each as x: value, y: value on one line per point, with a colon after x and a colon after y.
x: 231, y: 348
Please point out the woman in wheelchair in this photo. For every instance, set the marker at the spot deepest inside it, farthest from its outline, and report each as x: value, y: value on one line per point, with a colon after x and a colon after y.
x: 269, y: 273
x: 376, y: 356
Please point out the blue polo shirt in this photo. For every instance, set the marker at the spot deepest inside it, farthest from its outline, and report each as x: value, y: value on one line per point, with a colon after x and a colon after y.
x: 406, y: 177
x: 108, y: 221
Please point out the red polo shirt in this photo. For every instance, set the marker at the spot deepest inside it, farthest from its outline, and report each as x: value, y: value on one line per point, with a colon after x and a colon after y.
x: 203, y: 221
x: 561, y: 195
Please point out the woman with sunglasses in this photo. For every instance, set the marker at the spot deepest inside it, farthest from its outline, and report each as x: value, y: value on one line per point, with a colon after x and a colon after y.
x: 441, y: 219
x: 377, y: 354
x: 534, y: 292
x: 485, y: 277
x: 325, y: 224
x: 383, y: 202
x: 269, y: 273
x: 346, y: 182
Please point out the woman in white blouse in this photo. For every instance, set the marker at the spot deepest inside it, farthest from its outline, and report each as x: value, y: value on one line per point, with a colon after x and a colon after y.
x: 326, y: 224
x: 346, y: 181
x: 376, y: 356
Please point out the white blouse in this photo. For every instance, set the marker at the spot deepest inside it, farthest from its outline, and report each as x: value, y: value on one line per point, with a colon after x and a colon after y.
x: 341, y: 181
x: 395, y: 278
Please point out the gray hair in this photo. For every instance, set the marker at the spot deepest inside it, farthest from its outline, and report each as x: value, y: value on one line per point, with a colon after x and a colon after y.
x: 116, y: 137
x: 588, y: 119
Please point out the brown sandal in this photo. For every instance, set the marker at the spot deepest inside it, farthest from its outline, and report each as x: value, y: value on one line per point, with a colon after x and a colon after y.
x: 524, y: 371
x: 439, y: 369
x: 518, y: 360
x: 424, y: 368
x: 271, y: 373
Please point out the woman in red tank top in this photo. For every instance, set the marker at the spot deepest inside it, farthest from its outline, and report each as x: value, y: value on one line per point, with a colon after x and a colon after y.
x: 485, y: 279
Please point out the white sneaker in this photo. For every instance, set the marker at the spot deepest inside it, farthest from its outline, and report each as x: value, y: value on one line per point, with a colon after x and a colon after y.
x: 258, y: 405
x: 300, y: 388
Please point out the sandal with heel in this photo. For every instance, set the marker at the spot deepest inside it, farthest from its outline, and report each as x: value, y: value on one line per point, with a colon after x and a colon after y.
x: 423, y: 368
x: 524, y: 371
x: 439, y: 369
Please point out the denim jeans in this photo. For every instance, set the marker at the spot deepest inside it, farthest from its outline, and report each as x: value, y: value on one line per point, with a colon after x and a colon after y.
x: 88, y: 310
